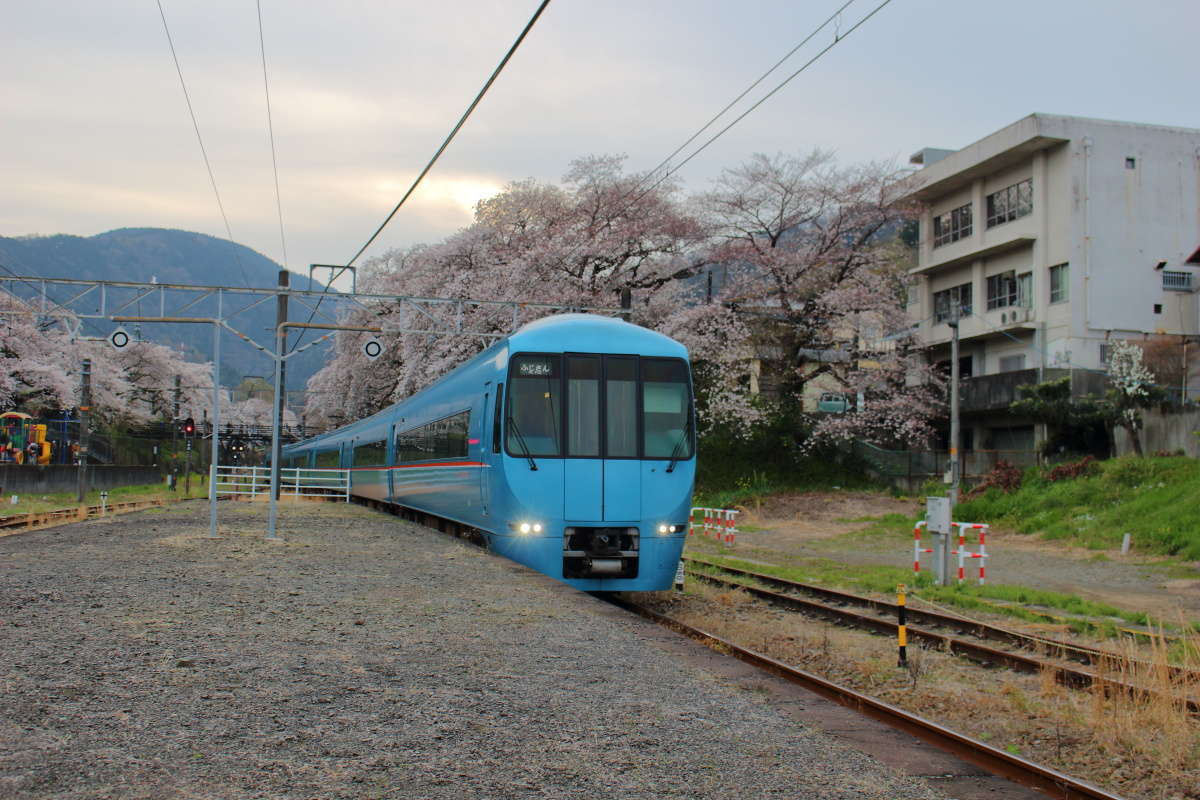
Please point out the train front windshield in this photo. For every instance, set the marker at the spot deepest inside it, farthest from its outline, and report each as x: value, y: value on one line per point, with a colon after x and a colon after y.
x: 593, y: 406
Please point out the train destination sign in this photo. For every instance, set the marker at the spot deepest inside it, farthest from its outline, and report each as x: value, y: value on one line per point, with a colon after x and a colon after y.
x: 535, y: 368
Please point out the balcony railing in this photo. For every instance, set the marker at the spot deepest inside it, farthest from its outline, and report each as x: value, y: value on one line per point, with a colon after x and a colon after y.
x: 997, y: 392
x: 1177, y: 281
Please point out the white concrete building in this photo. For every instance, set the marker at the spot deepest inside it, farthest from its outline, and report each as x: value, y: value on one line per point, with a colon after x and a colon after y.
x: 1055, y: 235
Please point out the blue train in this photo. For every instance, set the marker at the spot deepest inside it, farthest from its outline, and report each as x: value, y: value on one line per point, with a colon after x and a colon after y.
x: 569, y: 445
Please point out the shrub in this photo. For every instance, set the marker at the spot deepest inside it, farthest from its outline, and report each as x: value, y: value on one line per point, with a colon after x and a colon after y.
x: 1004, y: 476
x: 1074, y: 469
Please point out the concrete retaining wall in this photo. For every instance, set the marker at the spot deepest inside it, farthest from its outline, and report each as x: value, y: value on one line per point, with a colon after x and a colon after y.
x: 21, y: 479
x: 1161, y: 431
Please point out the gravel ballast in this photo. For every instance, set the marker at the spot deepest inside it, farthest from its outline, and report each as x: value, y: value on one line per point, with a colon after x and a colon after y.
x: 362, y: 657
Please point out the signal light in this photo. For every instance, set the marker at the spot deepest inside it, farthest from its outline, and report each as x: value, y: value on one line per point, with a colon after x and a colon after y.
x: 189, y: 427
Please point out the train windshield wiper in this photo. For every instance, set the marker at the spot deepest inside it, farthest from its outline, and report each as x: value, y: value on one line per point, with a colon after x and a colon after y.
x: 521, y: 440
x: 683, y: 438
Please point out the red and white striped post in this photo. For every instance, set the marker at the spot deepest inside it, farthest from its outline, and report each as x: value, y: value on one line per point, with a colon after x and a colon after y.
x: 963, y: 553
x: 917, y: 549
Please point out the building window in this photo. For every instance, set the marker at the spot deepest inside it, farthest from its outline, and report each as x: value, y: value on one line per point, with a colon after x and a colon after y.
x: 1131, y: 163
x: 1012, y: 363
x: 1058, y: 283
x: 952, y: 226
x: 947, y: 301
x: 1010, y: 203
x: 1025, y: 290
x: 1158, y: 308
x: 1002, y: 290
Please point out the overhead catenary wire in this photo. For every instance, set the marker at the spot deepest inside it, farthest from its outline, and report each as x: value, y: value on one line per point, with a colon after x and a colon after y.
x: 837, y: 39
x: 446, y: 143
x: 262, y: 47
x: 838, y: 36
x: 747, y: 90
x: 200, y: 140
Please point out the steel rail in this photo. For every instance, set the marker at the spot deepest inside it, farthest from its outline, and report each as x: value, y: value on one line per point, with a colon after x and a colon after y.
x: 981, y: 630
x: 37, y: 520
x: 992, y: 759
x: 1071, y: 678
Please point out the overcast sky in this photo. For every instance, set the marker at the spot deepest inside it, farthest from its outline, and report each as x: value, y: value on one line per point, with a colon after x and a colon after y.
x: 96, y: 134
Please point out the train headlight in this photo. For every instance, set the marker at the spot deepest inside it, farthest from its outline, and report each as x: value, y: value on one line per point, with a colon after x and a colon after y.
x: 524, y: 528
x: 665, y: 529
x: 537, y: 527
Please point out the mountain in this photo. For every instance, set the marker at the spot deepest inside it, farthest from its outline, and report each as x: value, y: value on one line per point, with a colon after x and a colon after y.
x: 168, y: 256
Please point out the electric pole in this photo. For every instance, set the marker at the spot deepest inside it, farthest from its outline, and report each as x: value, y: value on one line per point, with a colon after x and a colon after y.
x: 955, y: 469
x: 85, y: 407
x: 281, y: 316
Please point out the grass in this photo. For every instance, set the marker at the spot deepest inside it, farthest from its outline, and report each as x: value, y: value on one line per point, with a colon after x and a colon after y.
x: 757, y: 485
x: 1082, y: 616
x: 1154, y: 499
x: 27, y: 503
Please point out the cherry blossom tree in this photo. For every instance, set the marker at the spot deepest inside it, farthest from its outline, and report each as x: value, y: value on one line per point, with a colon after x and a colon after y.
x: 41, y: 361
x: 252, y: 412
x: 579, y: 245
x: 34, y: 373
x: 805, y: 243
x: 801, y: 240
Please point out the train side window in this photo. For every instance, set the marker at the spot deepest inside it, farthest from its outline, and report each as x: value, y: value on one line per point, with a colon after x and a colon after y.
x: 665, y: 409
x: 620, y: 397
x: 327, y: 459
x: 454, y: 444
x: 370, y: 454
x: 583, y: 406
x: 496, y: 419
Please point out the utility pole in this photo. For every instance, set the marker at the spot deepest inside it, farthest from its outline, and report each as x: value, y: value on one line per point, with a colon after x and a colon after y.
x: 175, y: 421
x: 955, y: 469
x: 85, y: 408
x: 281, y: 316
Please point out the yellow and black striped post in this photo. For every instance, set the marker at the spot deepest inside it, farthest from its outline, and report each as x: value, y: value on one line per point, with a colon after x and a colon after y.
x: 901, y: 628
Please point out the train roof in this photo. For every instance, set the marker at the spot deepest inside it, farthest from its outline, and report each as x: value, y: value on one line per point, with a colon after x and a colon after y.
x: 591, y: 333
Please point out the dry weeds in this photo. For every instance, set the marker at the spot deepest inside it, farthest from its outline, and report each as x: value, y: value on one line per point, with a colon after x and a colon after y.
x: 1138, y: 744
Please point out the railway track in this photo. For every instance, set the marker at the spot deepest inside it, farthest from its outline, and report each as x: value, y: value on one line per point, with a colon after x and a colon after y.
x: 983, y: 653
x: 992, y: 759
x: 36, y: 520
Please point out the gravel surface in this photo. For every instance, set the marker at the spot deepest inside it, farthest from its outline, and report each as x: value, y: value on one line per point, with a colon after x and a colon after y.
x: 363, y: 657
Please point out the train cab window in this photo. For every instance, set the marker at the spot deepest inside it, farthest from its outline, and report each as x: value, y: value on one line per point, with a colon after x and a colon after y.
x: 583, y: 406
x: 665, y: 409
x: 328, y: 459
x: 370, y: 454
x: 620, y: 397
x: 534, y: 409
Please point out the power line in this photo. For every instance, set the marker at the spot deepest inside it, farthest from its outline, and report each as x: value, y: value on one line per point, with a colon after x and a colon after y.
x: 838, y: 38
x: 203, y: 152
x: 462, y: 120
x: 747, y: 90
x: 271, y: 132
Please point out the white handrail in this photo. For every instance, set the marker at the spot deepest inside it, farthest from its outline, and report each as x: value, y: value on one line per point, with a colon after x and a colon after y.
x: 295, y: 481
